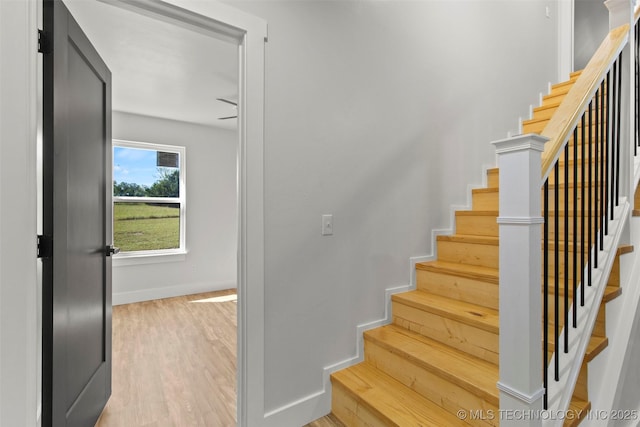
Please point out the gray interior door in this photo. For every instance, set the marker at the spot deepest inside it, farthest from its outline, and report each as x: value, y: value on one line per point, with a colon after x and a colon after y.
x: 77, y: 224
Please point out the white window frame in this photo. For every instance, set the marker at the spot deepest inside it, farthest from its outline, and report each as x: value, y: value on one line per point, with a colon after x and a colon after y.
x: 160, y: 254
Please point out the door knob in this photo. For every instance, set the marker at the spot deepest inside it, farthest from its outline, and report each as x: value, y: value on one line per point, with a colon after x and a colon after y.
x: 112, y: 250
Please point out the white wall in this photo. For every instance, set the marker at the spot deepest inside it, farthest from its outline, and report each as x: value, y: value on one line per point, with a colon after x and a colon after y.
x: 211, y: 235
x: 591, y: 25
x: 380, y: 113
x: 18, y: 285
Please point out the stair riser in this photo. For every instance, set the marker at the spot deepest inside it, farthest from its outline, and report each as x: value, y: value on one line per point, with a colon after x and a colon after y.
x: 614, y: 277
x: 461, y: 288
x: 493, y: 178
x: 579, y: 157
x: 560, y: 89
x: 561, y: 205
x: 600, y: 327
x: 542, y: 117
x: 595, y: 225
x: 485, y: 201
x: 351, y: 412
x: 468, y: 253
x: 544, y: 113
x: 561, y: 266
x: 449, y: 396
x: 582, y: 385
x: 561, y: 177
x: 475, y: 341
x: 480, y: 225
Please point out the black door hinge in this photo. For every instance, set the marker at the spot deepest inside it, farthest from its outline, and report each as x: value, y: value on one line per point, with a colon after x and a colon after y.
x: 45, y: 246
x: 43, y: 46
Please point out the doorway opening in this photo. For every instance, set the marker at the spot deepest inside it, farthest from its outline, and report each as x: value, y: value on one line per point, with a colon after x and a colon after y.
x: 247, y: 36
x: 166, y: 82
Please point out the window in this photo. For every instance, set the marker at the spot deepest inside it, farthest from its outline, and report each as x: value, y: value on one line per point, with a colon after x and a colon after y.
x: 148, y: 198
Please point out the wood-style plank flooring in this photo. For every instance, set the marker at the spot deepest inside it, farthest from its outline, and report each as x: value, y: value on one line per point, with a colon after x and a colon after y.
x: 174, y: 364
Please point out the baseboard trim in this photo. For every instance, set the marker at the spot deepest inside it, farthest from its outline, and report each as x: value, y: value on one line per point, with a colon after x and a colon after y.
x: 148, y: 294
x: 318, y: 404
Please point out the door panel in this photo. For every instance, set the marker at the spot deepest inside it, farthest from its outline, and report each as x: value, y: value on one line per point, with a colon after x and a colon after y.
x: 77, y: 216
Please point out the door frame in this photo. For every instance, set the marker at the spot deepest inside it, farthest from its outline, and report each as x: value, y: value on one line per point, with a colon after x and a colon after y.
x: 19, y: 288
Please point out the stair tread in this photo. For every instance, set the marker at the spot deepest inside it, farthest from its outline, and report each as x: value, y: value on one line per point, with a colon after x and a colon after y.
x: 625, y: 249
x: 572, y: 80
x: 571, y: 185
x: 485, y: 190
x: 547, y: 106
x: 477, y: 213
x: 392, y: 401
x: 470, y: 314
x: 610, y: 292
x: 535, y: 120
x: 486, y: 274
x: 471, y: 373
x: 468, y: 238
x: 595, y: 346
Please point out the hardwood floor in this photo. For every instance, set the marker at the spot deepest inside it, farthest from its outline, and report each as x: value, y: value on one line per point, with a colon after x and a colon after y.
x: 174, y: 364
x: 328, y: 421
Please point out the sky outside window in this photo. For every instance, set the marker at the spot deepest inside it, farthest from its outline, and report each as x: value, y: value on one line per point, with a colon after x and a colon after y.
x: 134, y: 165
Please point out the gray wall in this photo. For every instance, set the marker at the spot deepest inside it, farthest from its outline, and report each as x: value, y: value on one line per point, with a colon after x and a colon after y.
x: 382, y: 114
x: 211, y: 212
x: 591, y: 25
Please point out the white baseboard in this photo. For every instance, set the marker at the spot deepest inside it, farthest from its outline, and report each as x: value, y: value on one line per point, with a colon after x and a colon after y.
x: 169, y: 291
x: 318, y: 404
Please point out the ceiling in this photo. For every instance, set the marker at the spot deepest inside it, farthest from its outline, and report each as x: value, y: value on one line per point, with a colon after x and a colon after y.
x: 159, y: 69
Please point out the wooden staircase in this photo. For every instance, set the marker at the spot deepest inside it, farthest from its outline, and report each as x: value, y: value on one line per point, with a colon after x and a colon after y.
x: 436, y: 364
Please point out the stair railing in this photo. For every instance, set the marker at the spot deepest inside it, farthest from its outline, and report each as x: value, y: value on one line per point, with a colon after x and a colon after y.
x: 583, y: 197
x: 581, y: 192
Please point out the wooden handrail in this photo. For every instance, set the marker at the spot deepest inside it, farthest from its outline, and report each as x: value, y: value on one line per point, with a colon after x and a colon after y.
x: 566, y: 118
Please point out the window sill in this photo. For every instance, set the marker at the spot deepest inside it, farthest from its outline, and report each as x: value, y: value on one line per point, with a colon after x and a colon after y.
x: 133, y: 258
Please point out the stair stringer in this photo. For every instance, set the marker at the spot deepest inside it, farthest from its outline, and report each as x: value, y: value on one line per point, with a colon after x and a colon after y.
x: 561, y: 392
x: 605, y: 383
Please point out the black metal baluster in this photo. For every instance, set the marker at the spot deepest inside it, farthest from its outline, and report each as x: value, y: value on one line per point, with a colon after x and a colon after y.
x: 582, y: 209
x: 596, y: 205
x: 619, y: 127
x: 589, y: 201
x: 545, y: 281
x: 575, y: 227
x: 606, y: 163
x: 566, y: 248
x: 637, y: 91
x: 614, y: 113
x: 603, y: 205
x: 556, y: 269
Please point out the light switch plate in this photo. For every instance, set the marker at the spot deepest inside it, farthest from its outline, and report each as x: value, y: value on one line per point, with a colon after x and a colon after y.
x: 327, y: 225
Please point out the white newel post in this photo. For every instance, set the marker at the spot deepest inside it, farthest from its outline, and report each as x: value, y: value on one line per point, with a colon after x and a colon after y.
x: 520, y: 222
